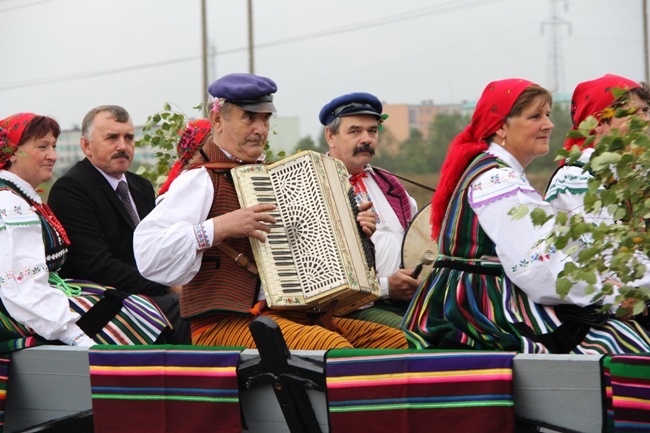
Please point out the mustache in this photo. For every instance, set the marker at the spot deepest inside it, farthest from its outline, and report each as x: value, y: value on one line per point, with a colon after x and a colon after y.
x: 121, y: 154
x: 365, y: 147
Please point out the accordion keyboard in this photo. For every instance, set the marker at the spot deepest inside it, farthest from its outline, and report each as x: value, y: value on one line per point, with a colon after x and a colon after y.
x: 275, y: 250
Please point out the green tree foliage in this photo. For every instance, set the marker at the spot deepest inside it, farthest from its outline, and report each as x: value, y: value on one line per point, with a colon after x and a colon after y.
x: 307, y: 143
x: 162, y: 131
x: 619, y: 165
x: 443, y: 130
x: 419, y: 155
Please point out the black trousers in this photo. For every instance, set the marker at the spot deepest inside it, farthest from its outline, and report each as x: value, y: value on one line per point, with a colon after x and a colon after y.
x: 170, y: 306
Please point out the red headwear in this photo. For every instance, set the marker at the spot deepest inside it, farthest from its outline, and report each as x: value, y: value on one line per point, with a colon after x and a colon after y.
x: 193, y: 135
x: 11, y: 131
x: 590, y: 98
x: 491, y: 111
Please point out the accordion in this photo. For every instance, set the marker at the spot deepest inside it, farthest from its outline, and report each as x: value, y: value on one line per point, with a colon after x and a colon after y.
x: 315, y: 254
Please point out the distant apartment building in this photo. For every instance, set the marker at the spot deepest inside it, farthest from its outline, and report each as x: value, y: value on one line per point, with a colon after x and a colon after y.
x: 402, y: 118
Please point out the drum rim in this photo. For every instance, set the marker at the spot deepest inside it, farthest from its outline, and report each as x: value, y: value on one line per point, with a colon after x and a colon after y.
x: 406, y: 232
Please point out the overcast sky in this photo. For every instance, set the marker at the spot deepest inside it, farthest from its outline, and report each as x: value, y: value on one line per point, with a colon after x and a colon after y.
x: 63, y: 57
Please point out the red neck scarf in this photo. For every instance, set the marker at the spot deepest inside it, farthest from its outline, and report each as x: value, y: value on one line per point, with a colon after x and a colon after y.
x: 11, y: 131
x: 590, y: 98
x: 357, y: 182
x: 491, y: 112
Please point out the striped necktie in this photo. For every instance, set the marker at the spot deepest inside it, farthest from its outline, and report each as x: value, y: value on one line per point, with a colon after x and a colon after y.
x: 123, y: 193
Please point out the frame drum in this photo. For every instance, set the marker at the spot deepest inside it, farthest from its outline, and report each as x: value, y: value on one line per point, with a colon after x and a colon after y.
x: 417, y: 242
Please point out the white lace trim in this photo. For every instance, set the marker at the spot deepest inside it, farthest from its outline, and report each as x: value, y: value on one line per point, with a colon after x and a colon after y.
x: 23, y: 186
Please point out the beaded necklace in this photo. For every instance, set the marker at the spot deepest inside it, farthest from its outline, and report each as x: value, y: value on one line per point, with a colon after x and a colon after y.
x: 45, y: 211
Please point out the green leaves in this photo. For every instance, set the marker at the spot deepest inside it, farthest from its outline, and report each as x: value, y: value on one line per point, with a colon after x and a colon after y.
x: 162, y: 132
x: 518, y: 212
x: 614, y: 239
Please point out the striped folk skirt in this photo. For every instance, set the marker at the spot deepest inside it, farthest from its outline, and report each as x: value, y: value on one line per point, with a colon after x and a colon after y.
x: 139, y: 321
x: 454, y: 307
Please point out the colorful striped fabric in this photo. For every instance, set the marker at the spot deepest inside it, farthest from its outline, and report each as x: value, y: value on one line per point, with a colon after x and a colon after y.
x: 467, y: 300
x: 167, y: 389
x: 139, y: 322
x: 412, y: 391
x: 4, y: 376
x: 627, y: 391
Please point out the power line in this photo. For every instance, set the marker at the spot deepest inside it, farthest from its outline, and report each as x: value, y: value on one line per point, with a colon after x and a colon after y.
x: 24, y: 5
x: 69, y: 77
x: 556, y: 58
x: 450, y: 6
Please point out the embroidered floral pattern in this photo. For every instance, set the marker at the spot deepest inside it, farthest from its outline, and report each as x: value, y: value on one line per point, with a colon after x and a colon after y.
x: 538, y: 255
x: 201, y: 237
x: 496, y: 185
x: 19, y: 216
x: 22, y: 274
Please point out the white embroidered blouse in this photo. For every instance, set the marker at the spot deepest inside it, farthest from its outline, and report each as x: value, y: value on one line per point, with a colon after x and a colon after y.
x: 24, y: 287
x: 525, y: 260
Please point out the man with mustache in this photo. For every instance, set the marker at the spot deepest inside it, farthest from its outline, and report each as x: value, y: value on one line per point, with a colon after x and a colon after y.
x: 200, y: 237
x: 352, y: 124
x: 99, y: 223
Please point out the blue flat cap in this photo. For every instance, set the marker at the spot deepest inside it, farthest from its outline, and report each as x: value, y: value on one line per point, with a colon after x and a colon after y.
x: 350, y: 104
x: 250, y: 92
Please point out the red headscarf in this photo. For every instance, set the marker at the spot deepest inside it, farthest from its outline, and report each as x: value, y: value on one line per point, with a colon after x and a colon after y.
x: 590, y: 98
x: 491, y: 111
x: 11, y: 131
x: 193, y: 135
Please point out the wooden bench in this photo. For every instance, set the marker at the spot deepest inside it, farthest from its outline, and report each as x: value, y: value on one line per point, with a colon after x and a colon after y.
x: 559, y: 392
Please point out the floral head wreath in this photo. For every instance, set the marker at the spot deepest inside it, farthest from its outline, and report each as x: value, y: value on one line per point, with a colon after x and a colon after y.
x: 217, y: 104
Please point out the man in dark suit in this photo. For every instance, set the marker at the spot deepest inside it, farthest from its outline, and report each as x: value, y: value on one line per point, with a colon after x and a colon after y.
x: 99, y: 202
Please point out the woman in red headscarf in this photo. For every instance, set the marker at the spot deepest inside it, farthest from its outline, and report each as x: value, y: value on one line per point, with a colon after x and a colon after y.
x: 493, y: 285
x: 568, y: 185
x: 195, y: 135
x: 36, y: 306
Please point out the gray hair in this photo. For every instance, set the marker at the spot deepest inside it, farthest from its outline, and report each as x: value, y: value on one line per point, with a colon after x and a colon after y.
x: 334, y: 125
x: 226, y: 109
x: 118, y: 113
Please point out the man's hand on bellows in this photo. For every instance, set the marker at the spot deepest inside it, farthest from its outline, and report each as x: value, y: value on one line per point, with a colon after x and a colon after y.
x: 248, y: 222
x: 367, y: 219
x: 402, y: 286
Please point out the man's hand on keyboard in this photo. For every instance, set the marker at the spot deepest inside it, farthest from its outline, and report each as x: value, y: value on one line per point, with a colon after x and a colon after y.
x: 252, y: 221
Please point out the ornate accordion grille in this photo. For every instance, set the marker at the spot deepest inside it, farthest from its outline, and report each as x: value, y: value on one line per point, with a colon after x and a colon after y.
x: 313, y: 246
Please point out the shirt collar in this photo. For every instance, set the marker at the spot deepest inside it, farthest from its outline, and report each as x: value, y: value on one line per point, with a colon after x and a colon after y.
x: 111, y: 180
x: 22, y: 185
x: 501, y: 153
x: 261, y: 159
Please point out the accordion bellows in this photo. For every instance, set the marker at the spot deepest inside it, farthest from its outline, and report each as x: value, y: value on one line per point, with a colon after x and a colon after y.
x: 315, y: 252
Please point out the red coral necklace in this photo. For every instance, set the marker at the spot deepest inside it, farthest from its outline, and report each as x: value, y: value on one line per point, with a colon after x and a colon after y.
x: 44, y: 210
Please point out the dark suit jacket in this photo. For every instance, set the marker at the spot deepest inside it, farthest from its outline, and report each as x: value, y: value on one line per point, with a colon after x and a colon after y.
x: 100, y: 231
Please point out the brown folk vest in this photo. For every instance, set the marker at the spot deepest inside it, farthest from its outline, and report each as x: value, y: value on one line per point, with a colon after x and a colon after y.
x: 221, y: 285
